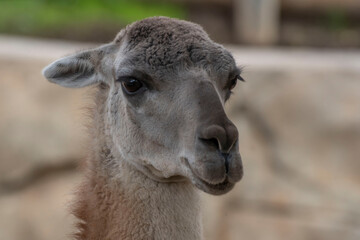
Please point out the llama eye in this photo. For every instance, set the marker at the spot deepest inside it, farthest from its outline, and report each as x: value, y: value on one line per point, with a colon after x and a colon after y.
x: 131, y: 85
x: 233, y: 83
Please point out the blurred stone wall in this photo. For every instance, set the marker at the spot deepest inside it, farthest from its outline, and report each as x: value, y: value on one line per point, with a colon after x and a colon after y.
x: 298, y: 117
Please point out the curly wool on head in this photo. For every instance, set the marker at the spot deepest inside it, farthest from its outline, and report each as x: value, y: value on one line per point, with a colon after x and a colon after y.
x: 164, y: 43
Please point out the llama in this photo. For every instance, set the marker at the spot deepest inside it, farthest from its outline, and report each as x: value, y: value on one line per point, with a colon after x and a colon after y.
x: 159, y: 130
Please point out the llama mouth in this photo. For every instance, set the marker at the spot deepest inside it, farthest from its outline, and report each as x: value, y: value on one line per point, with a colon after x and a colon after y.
x: 215, y: 189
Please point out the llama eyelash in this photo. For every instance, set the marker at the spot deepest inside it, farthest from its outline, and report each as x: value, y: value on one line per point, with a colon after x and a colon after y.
x: 240, y: 78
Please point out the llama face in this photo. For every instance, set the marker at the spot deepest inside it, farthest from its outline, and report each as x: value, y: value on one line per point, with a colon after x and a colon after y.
x: 167, y: 86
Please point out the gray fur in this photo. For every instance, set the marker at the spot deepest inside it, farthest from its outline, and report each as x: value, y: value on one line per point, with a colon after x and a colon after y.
x: 173, y: 132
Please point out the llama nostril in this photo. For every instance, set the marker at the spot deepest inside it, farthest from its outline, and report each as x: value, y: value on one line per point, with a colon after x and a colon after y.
x: 222, y: 137
x: 213, y: 135
x: 226, y: 157
x: 211, y: 142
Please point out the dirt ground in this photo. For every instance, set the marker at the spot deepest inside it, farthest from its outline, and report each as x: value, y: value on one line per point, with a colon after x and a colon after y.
x: 298, y: 116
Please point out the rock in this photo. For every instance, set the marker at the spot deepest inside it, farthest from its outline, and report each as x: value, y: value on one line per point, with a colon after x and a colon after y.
x: 300, y: 139
x: 40, y: 123
x: 299, y: 125
x: 41, y: 211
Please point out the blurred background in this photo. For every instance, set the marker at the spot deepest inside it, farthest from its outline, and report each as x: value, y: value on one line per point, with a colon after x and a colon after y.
x: 298, y: 113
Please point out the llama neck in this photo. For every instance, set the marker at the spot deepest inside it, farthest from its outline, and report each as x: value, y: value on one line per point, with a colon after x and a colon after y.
x: 117, y: 201
x: 136, y: 207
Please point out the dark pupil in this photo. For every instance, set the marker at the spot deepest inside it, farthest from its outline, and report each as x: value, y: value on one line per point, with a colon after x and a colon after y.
x: 132, y: 85
x: 233, y: 83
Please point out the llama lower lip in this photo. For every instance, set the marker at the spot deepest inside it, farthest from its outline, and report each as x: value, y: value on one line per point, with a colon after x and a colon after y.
x: 216, y: 189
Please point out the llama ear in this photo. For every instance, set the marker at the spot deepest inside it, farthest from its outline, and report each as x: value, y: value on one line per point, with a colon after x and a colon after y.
x: 79, y: 70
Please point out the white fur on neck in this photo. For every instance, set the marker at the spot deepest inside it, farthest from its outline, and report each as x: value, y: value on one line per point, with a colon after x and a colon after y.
x: 123, y: 203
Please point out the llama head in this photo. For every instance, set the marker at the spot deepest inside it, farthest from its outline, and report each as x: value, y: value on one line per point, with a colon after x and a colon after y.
x: 166, y: 84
